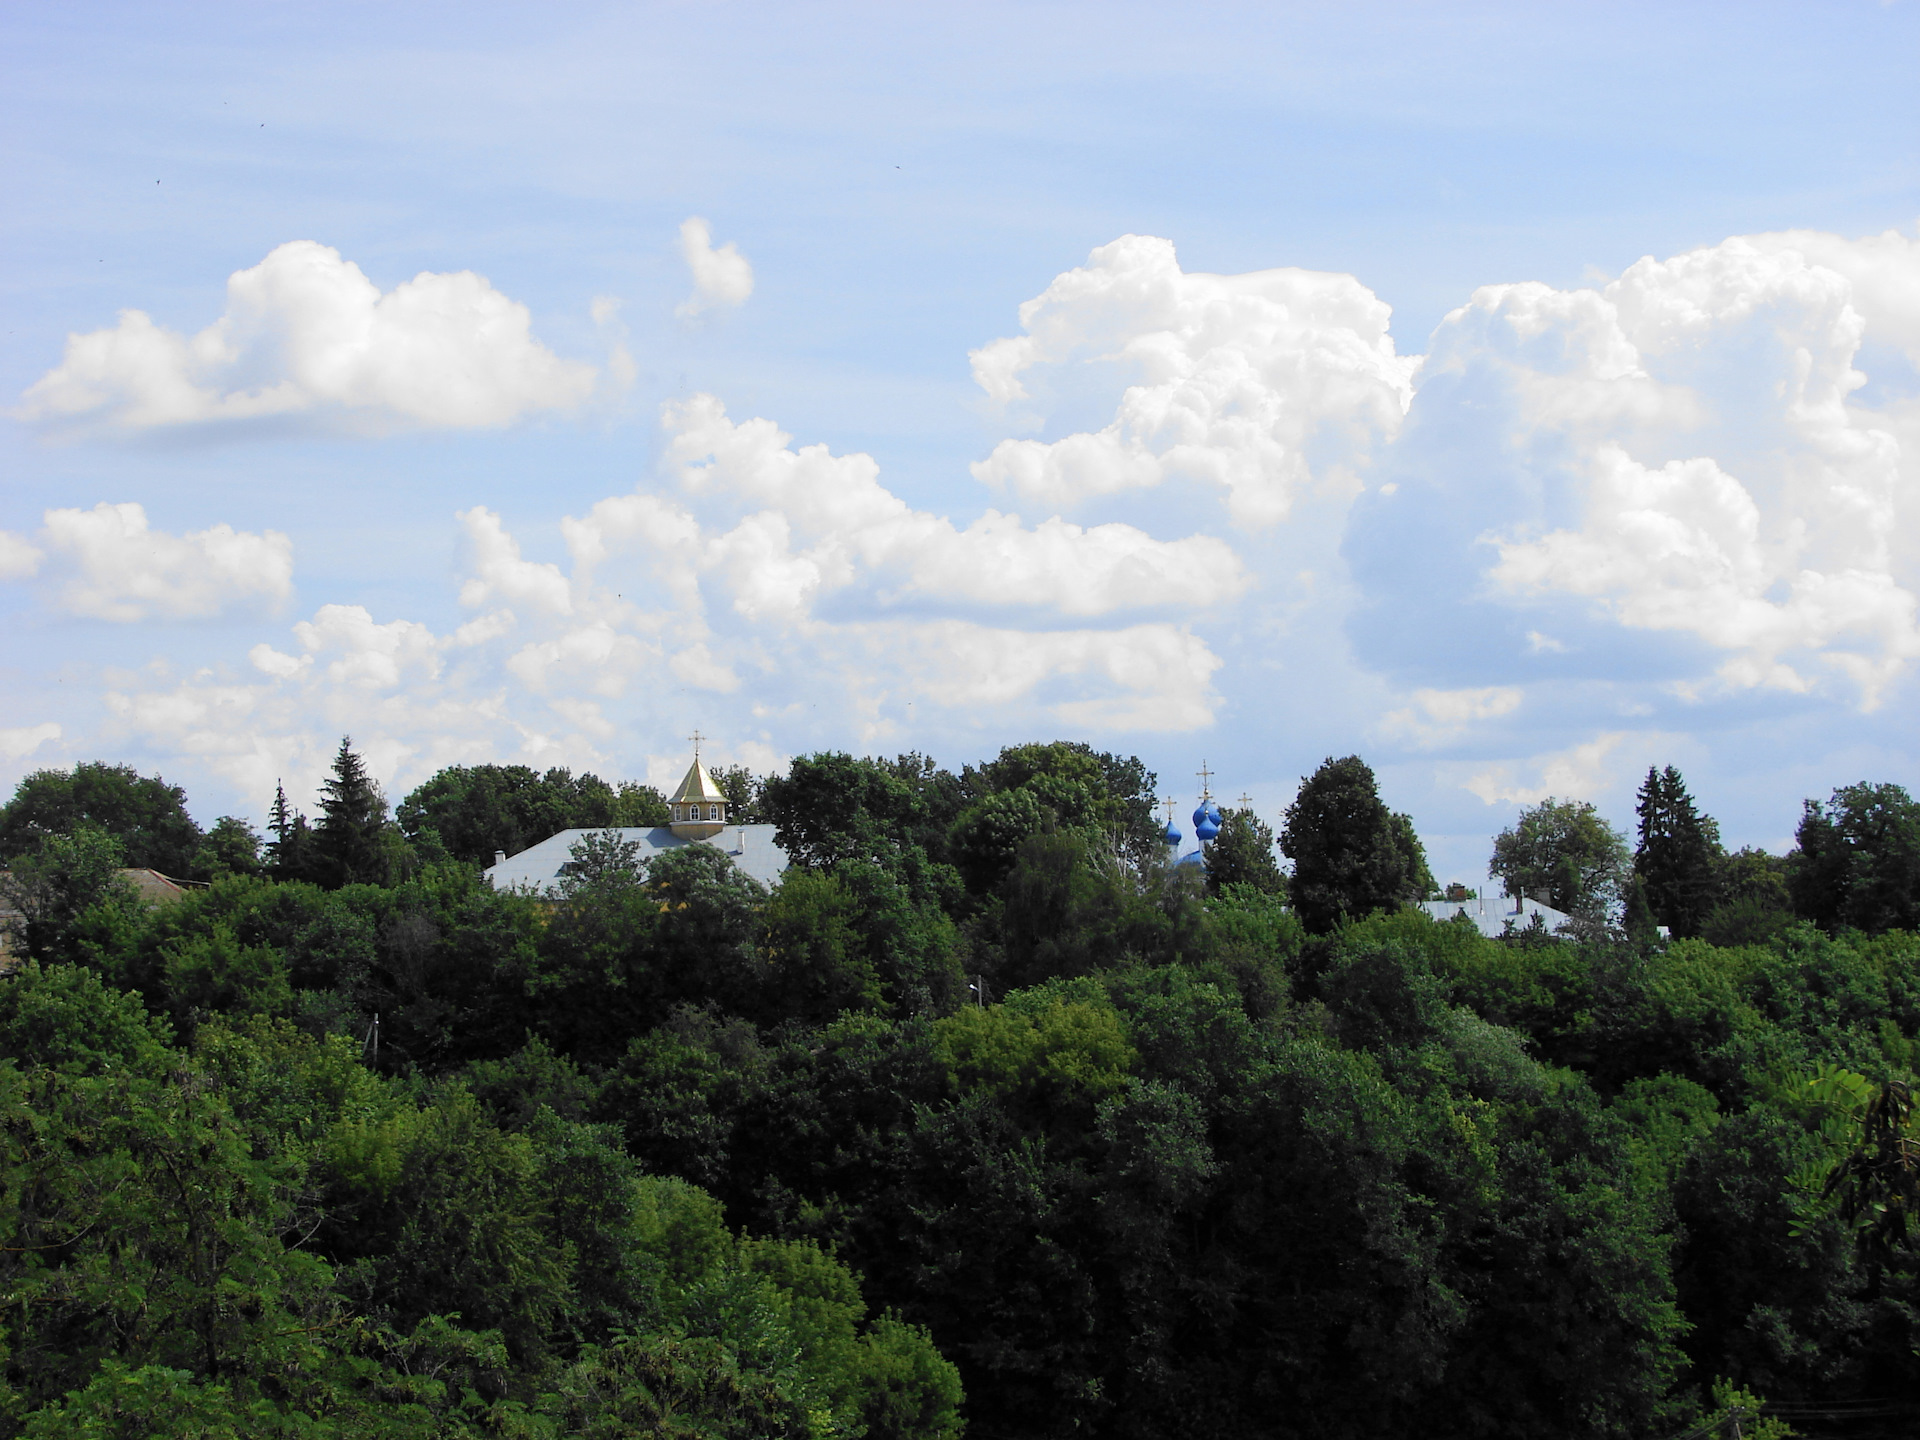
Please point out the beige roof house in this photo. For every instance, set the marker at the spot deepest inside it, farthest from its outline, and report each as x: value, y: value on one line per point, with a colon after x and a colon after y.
x: 150, y: 885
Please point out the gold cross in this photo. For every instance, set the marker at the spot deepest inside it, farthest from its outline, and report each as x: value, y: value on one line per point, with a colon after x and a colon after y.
x: 1205, y: 775
x: 697, y: 737
x: 1167, y: 800
x: 1245, y: 802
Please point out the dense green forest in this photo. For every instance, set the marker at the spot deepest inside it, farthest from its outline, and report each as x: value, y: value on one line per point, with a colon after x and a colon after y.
x: 988, y: 1118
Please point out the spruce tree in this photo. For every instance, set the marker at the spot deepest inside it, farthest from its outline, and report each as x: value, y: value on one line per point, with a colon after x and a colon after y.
x: 290, y: 854
x: 1679, y: 855
x: 349, y: 844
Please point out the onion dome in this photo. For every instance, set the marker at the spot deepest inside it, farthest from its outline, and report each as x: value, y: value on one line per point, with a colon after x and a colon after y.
x: 1171, y: 834
x: 1206, y: 821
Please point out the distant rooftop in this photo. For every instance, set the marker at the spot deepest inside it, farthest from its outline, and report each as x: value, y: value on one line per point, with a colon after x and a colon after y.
x: 750, y: 847
x: 1491, y: 913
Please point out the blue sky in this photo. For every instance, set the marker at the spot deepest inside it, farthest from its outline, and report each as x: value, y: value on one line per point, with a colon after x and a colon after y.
x: 1516, y: 395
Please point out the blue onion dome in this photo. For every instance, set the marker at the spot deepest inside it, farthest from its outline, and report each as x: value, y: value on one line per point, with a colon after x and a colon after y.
x: 1171, y: 834
x: 1206, y: 823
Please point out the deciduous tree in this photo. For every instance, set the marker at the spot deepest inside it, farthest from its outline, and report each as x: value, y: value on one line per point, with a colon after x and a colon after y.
x: 1859, y: 860
x: 145, y: 814
x: 1565, y: 854
x: 1351, y: 855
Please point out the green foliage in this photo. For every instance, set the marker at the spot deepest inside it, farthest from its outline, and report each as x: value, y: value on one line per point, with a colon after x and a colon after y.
x: 831, y: 807
x: 351, y: 844
x: 742, y: 788
x: 231, y: 847
x: 1059, y: 1045
x: 261, y: 1237
x: 52, y: 888
x: 1679, y: 856
x: 1741, y: 1412
x: 1858, y: 864
x: 214, y: 971
x: 1754, y: 904
x: 1242, y: 854
x: 1350, y: 854
x: 812, y: 947
x: 1565, y: 854
x: 467, y: 812
x: 1037, y: 789
x: 147, y: 816
x: 667, y: 1154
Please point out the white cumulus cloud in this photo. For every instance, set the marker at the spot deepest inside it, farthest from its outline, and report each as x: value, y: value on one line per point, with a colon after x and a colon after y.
x: 499, y: 571
x: 19, y: 557
x: 828, y: 521
x: 721, y: 277
x: 114, y: 567
x: 1248, y: 382
x: 1776, y: 551
x: 304, y: 331
x: 1580, y: 772
x: 21, y: 741
x: 1438, y: 716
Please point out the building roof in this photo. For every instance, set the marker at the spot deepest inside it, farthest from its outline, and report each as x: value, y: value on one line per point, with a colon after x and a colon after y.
x: 155, y: 888
x: 750, y: 847
x: 1491, y: 913
x: 697, y: 787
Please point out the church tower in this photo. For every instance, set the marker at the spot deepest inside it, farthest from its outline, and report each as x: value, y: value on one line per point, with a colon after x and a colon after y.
x: 698, y: 809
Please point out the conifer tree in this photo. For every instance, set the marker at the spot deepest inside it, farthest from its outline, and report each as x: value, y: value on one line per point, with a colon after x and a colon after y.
x: 290, y: 853
x: 1679, y: 854
x: 349, y: 843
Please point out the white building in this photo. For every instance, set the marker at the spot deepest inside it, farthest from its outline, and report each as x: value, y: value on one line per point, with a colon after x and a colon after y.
x: 1492, y: 915
x: 699, y: 817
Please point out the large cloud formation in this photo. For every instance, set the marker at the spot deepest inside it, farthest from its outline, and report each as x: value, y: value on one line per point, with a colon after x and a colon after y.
x: 1238, y: 379
x: 1534, y: 556
x: 305, y: 332
x: 112, y: 566
x: 1678, y: 452
x: 762, y: 589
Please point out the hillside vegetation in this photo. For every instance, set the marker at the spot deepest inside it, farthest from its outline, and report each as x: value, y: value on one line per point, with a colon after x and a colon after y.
x: 986, y: 1119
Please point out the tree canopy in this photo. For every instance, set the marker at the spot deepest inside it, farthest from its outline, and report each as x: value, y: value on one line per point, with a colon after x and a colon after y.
x: 1351, y: 855
x: 1083, y: 1144
x: 468, y: 812
x: 146, y: 815
x: 1563, y: 853
x: 1242, y: 854
x: 1859, y: 860
x: 1679, y: 855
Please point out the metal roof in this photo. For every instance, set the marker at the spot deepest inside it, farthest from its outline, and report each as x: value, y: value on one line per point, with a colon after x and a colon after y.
x: 697, y: 787
x: 1491, y: 913
x: 750, y: 847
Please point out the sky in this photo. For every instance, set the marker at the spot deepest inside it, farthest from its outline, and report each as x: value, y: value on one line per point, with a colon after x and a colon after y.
x: 1517, y: 396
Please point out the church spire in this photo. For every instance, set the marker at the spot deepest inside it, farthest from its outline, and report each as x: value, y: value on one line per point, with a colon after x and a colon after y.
x: 699, y: 807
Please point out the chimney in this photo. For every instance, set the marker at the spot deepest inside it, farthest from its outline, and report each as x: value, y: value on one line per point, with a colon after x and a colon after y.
x: 499, y: 857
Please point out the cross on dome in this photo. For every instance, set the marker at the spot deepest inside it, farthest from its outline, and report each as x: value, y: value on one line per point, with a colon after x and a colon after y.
x: 1205, y: 775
